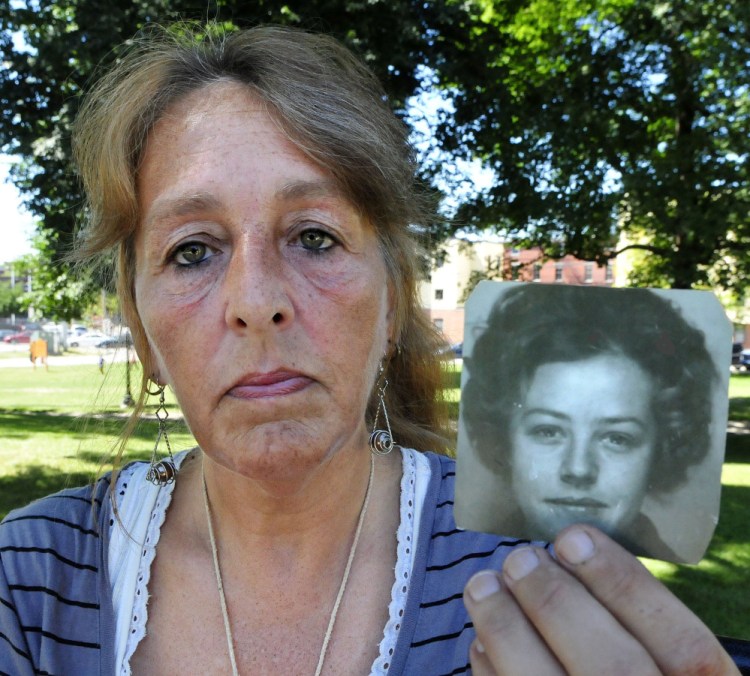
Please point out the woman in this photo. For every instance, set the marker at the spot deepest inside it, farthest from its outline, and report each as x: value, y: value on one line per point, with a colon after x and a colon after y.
x: 589, y: 399
x: 259, y: 194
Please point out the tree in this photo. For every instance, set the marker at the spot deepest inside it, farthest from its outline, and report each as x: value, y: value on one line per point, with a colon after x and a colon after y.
x: 59, y: 292
x: 610, y: 125
x: 52, y: 49
x: 10, y: 303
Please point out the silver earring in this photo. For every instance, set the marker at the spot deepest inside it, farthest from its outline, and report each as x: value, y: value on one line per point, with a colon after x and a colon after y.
x: 381, y: 442
x: 161, y: 472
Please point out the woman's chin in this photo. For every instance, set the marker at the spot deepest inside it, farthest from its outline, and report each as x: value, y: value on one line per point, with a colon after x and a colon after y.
x: 280, y: 458
x: 548, y: 529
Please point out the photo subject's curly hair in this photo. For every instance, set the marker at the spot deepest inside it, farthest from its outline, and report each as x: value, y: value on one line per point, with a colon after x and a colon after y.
x: 534, y: 324
x: 333, y: 109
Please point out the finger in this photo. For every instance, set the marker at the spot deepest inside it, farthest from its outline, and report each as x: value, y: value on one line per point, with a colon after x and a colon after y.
x: 583, y: 635
x: 511, y: 644
x: 480, y: 661
x: 676, y: 639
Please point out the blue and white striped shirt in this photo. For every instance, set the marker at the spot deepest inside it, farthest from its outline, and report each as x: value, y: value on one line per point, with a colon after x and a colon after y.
x: 56, y: 613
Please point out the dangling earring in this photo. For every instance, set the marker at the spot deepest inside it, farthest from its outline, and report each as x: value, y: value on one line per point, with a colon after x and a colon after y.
x: 381, y: 442
x: 161, y: 473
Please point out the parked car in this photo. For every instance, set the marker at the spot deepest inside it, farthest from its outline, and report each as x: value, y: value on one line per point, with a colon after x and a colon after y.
x: 122, y: 340
x: 88, y: 339
x: 8, y: 332
x: 736, y: 353
x: 22, y: 337
x: 454, y: 351
x: 744, y: 360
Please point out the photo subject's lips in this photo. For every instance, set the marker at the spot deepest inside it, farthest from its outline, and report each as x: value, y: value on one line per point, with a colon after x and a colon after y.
x: 270, y: 384
x: 577, y: 503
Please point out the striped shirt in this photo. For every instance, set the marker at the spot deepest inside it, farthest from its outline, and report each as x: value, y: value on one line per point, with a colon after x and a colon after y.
x: 56, y: 613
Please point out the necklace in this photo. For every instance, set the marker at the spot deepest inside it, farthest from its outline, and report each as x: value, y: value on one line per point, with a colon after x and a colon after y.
x: 339, y: 595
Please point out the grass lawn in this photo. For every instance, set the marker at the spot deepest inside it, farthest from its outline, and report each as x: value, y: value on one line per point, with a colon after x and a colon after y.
x: 48, y: 443
x: 718, y: 588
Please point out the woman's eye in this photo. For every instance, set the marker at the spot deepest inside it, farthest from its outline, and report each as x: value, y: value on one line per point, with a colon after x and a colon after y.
x: 546, y: 434
x: 316, y: 240
x: 191, y: 253
x: 618, y: 441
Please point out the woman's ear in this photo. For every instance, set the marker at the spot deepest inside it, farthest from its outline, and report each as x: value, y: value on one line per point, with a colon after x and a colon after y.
x: 150, y: 361
x: 393, y: 328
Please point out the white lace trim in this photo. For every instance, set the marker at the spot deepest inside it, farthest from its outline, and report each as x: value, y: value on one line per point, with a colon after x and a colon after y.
x: 413, y: 489
x: 142, y: 510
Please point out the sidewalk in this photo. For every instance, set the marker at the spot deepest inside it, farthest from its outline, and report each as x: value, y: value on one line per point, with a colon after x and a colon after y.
x: 68, y: 359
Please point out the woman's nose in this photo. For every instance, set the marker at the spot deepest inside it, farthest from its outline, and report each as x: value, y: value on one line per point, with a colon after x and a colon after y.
x: 580, y: 467
x: 256, y: 290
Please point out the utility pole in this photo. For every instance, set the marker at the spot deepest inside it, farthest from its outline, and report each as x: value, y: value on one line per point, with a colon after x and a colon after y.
x: 127, y: 401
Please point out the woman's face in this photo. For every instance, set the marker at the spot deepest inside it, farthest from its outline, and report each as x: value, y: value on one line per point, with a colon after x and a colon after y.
x: 582, y: 443
x: 261, y: 289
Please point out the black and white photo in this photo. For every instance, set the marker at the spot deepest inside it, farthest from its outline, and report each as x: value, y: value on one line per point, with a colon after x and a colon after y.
x: 596, y: 405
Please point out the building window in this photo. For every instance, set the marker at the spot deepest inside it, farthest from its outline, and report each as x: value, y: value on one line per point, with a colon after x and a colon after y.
x: 588, y: 272
x: 610, y: 273
x: 558, y: 272
x: 438, y: 294
x: 438, y: 323
x: 536, y: 272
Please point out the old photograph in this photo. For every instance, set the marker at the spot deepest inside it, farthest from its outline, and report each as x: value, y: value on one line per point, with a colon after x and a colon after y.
x: 596, y: 405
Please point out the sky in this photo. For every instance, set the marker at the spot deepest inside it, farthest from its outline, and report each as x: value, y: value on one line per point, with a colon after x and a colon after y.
x: 16, y: 224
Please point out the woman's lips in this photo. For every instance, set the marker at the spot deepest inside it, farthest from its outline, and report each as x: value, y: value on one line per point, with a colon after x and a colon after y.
x: 577, y: 503
x: 272, y: 384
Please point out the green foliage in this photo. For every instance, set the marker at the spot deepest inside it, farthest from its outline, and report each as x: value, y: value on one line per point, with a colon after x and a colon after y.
x: 59, y: 292
x: 10, y: 299
x: 52, y: 50
x: 609, y: 124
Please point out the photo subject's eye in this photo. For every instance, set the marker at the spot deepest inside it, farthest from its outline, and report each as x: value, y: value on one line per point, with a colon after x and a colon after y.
x: 546, y: 434
x: 619, y: 441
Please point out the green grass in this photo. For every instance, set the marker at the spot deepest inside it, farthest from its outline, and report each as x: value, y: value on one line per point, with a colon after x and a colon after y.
x: 60, y: 427
x: 718, y: 589
x: 48, y: 442
x: 739, y: 385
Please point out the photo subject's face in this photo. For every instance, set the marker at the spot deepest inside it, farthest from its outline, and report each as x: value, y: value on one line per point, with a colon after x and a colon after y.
x: 582, y: 443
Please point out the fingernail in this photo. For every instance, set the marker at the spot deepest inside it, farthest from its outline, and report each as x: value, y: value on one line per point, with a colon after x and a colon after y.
x: 478, y: 645
x: 482, y: 585
x: 520, y: 563
x: 575, y: 546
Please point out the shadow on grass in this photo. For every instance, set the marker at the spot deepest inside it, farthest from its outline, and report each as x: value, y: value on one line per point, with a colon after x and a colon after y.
x: 739, y: 408
x: 28, y: 424
x: 36, y: 481
x: 738, y: 448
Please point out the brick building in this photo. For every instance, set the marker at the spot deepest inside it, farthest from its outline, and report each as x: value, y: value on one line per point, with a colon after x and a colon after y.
x: 443, y: 293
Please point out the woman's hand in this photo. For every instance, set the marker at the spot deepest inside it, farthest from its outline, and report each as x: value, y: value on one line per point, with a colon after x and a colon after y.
x: 594, y: 610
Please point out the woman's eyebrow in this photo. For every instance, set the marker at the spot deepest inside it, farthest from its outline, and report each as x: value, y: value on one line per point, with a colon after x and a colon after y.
x: 545, y: 411
x: 180, y: 205
x: 614, y: 420
x: 315, y: 188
